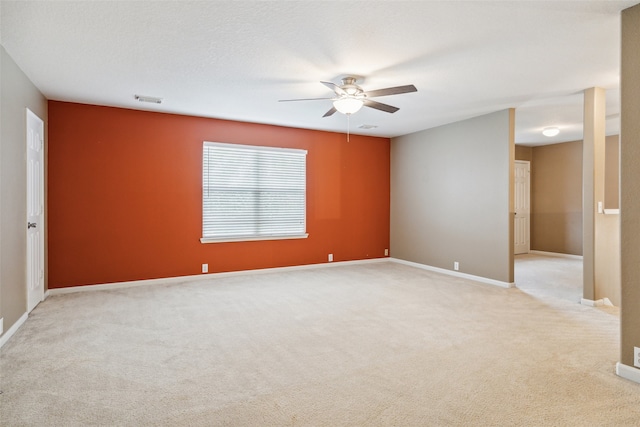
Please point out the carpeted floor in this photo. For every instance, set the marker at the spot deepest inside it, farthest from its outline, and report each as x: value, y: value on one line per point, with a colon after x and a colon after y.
x: 379, y: 344
x: 549, y: 277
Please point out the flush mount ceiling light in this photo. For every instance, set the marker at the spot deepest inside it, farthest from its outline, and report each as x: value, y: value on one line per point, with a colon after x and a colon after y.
x: 348, y: 104
x: 552, y: 131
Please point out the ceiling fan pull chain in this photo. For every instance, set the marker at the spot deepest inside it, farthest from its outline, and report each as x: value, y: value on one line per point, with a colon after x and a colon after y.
x: 348, y: 124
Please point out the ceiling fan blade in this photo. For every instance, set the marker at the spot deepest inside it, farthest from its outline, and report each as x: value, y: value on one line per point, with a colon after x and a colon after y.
x: 380, y: 106
x: 330, y: 112
x: 302, y: 99
x: 391, y: 91
x: 334, y: 87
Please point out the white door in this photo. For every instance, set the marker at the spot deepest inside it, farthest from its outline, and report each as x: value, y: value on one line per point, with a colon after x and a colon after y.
x: 35, y: 210
x: 522, y: 207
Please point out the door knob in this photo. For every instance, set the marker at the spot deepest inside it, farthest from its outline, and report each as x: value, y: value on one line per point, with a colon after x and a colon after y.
x: 31, y: 225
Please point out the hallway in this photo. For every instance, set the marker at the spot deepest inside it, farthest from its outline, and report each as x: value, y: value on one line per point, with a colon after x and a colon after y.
x: 549, y: 277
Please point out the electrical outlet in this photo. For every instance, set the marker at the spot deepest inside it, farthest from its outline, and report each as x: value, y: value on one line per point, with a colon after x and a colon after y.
x: 330, y: 257
x: 1, y: 325
x: 456, y: 265
x: 386, y: 252
x: 205, y: 268
x: 636, y: 357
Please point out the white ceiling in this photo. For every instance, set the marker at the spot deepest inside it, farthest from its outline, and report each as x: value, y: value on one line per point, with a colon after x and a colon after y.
x: 236, y: 59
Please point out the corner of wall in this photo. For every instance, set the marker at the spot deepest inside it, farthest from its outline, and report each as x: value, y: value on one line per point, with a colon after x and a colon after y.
x: 430, y: 224
x: 512, y: 158
x: 1, y: 145
x: 18, y: 93
x: 630, y: 176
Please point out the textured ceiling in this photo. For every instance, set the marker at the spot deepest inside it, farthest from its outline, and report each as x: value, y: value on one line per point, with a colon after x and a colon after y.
x: 236, y: 59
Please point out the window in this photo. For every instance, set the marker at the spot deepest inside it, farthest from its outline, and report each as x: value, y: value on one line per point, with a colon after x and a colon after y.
x: 252, y: 193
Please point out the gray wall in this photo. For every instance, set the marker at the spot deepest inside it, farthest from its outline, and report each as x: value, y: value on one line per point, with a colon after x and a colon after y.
x: 18, y: 93
x: 451, y: 196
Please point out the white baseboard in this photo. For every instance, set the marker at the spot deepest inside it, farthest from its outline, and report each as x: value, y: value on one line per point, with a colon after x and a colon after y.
x: 596, y: 303
x: 556, y: 254
x: 627, y: 372
x: 12, y: 330
x: 455, y: 273
x: 180, y: 279
x: 592, y: 303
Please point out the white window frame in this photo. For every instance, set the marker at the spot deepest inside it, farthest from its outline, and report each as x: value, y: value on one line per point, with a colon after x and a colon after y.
x: 223, y: 184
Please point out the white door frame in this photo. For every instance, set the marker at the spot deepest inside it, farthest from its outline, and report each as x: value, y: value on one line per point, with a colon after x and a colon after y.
x: 522, y: 219
x: 35, y: 221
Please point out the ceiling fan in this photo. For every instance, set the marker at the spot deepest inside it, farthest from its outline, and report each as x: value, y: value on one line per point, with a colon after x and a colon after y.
x: 349, y: 97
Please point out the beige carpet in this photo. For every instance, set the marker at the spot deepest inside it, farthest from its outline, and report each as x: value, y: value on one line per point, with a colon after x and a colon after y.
x: 549, y: 277
x: 378, y: 344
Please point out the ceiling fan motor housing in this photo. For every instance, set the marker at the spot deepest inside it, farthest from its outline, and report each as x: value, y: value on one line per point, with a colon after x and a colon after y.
x: 351, y: 88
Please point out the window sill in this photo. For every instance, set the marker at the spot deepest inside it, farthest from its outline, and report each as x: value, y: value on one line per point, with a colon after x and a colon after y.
x: 252, y: 239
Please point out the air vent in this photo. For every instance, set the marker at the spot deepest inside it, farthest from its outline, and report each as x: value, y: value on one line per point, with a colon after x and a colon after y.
x: 150, y: 99
x: 367, y: 127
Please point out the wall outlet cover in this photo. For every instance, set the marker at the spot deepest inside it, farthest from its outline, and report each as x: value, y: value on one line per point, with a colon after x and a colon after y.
x: 636, y: 357
x: 205, y: 268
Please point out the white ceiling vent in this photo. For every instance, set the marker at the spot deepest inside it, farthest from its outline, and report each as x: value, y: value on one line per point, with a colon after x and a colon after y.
x: 150, y: 99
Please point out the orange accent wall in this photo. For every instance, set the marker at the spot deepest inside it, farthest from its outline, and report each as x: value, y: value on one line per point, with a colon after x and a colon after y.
x: 125, y: 196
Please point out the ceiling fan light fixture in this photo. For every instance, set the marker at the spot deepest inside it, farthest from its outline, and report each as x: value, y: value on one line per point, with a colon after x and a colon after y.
x: 348, y: 105
x: 552, y: 131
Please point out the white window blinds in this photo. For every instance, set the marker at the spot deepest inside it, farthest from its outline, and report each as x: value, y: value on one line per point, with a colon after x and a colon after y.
x: 252, y: 193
